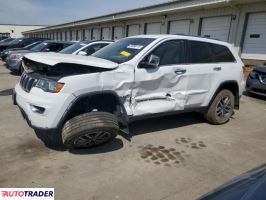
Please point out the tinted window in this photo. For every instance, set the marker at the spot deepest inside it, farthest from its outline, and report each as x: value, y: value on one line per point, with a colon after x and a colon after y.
x: 222, y: 54
x: 74, y: 47
x: 123, y: 50
x: 200, y: 52
x: 169, y: 52
x: 92, y: 49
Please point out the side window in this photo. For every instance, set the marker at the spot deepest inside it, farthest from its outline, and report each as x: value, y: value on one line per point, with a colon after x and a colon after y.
x: 200, y: 52
x: 93, y: 48
x: 222, y: 54
x: 54, y: 47
x: 170, y: 52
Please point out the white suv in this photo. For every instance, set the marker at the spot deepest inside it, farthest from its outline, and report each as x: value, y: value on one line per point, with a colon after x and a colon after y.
x: 89, y: 99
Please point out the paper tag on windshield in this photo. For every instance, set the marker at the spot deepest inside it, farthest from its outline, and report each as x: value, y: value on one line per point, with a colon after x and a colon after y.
x: 132, y: 46
x: 125, y: 53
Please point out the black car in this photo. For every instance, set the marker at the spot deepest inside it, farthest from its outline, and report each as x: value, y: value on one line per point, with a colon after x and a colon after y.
x: 5, y: 53
x: 249, y: 186
x: 7, y: 40
x: 18, y: 43
x: 256, y: 81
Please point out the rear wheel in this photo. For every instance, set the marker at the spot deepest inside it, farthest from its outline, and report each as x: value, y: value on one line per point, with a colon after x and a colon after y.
x: 222, y: 108
x: 89, y: 129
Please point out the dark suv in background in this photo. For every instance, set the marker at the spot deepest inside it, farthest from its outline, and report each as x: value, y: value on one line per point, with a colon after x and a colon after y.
x: 18, y: 43
x: 14, y: 59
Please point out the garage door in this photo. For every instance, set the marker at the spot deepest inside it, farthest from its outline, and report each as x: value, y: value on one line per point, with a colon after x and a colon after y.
x: 73, y: 35
x: 216, y: 27
x: 153, y: 28
x: 78, y: 36
x: 106, y: 33
x: 96, y: 35
x: 87, y: 34
x: 254, y: 46
x: 133, y: 30
x: 118, y: 33
x: 179, y: 27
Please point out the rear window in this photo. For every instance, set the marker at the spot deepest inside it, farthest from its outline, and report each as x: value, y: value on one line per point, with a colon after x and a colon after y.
x: 222, y: 54
x: 204, y: 52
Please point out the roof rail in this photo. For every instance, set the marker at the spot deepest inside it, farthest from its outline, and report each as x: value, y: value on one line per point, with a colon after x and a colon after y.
x: 197, y: 36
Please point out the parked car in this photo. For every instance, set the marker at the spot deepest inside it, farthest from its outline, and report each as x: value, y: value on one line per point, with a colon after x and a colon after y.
x: 85, y: 48
x: 5, y: 53
x: 91, y: 98
x: 7, y: 40
x: 18, y: 43
x: 14, y: 59
x: 249, y: 186
x: 256, y: 81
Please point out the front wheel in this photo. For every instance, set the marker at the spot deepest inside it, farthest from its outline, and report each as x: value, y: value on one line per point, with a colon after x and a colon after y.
x: 89, y: 129
x: 222, y: 108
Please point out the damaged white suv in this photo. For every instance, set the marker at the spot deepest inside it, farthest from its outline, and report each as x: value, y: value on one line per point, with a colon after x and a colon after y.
x: 89, y: 99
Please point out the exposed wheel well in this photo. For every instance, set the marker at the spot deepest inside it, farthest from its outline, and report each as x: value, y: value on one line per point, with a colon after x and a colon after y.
x: 233, y: 87
x: 105, y: 102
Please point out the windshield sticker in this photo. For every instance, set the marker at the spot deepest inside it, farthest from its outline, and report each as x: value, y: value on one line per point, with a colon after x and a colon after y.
x: 125, y: 53
x: 132, y: 46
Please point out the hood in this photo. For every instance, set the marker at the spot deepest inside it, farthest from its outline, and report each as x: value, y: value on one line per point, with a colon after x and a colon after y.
x: 57, y: 58
x: 260, y: 69
x: 20, y: 51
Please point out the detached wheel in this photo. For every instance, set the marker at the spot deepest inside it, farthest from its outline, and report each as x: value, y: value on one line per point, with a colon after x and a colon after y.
x: 222, y: 108
x: 89, y: 129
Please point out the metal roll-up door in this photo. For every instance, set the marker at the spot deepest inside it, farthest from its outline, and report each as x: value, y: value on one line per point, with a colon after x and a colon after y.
x: 87, y: 34
x: 106, y: 33
x: 78, y: 36
x: 118, y: 33
x: 153, y: 28
x: 254, y: 46
x: 96, y: 35
x: 216, y: 27
x: 179, y: 27
x: 133, y: 30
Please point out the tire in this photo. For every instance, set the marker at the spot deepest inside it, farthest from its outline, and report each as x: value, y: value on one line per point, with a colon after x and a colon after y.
x: 89, y: 129
x: 222, y: 108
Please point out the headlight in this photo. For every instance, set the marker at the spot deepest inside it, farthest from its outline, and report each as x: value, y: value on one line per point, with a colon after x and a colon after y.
x: 253, y: 74
x: 15, y: 56
x: 49, y: 85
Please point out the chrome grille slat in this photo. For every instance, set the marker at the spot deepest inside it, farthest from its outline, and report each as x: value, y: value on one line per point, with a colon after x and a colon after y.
x: 27, y: 82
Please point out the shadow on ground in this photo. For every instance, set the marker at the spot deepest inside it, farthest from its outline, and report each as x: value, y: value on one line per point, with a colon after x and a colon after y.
x: 52, y: 139
x: 7, y: 92
x: 254, y: 96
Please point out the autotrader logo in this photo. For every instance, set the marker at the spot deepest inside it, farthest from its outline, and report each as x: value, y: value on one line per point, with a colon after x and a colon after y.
x: 26, y: 193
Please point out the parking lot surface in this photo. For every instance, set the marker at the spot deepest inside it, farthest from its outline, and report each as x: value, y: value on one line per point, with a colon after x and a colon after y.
x: 175, y: 157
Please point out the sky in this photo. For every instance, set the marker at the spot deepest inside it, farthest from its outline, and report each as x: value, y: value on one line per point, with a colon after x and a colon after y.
x: 51, y: 12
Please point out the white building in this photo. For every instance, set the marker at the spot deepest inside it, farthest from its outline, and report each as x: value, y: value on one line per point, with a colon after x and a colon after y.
x: 15, y: 30
x: 240, y: 22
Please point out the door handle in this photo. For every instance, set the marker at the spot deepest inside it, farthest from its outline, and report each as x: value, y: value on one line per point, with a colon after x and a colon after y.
x: 217, y: 68
x: 180, y: 71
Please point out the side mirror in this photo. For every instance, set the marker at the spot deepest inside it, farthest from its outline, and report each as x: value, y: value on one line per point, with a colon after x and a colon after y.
x: 82, y: 53
x: 151, y: 62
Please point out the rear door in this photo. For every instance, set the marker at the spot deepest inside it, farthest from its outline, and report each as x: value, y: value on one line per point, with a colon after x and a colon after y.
x: 163, y: 88
x: 205, y: 69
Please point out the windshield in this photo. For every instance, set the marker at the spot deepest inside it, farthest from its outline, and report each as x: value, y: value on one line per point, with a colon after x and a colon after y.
x: 32, y: 45
x: 39, y: 47
x: 7, y: 40
x: 16, y: 41
x: 72, y: 48
x: 123, y: 50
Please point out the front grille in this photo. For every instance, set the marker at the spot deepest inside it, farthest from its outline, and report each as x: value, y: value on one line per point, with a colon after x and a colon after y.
x: 27, y: 82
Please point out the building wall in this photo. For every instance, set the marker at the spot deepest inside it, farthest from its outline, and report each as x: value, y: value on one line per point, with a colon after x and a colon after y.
x: 238, y: 14
x: 16, y: 30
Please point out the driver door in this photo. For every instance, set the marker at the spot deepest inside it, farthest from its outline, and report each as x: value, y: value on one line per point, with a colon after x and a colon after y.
x: 161, y: 88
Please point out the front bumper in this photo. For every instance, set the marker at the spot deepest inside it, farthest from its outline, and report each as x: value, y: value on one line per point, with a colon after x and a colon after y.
x: 255, y: 86
x: 54, y: 104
